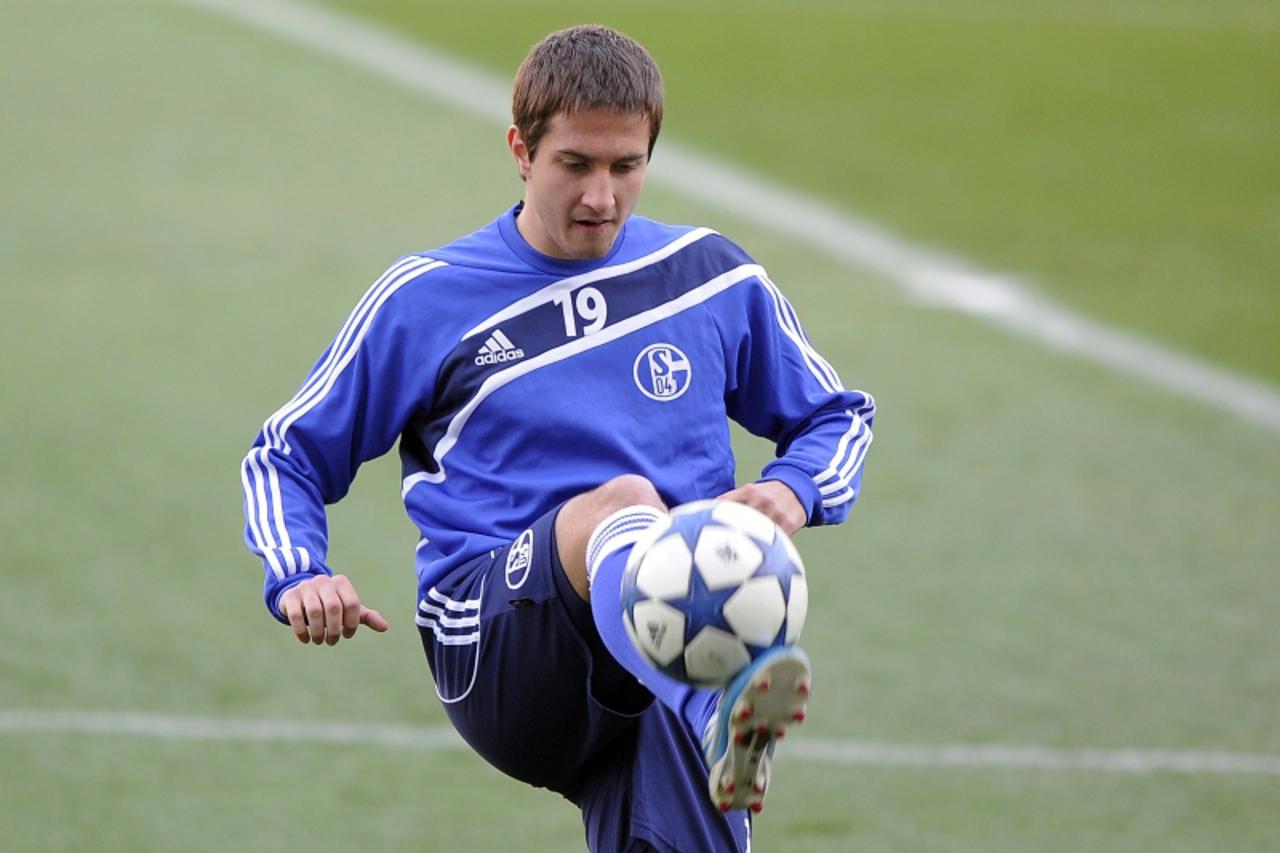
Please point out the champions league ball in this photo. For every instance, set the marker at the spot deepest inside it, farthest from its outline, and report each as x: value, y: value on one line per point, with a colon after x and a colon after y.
x: 706, y: 592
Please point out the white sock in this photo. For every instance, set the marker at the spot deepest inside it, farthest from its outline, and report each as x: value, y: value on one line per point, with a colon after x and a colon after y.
x: 620, y: 530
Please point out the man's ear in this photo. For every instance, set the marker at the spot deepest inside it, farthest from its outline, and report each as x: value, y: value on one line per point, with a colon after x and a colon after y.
x: 520, y: 151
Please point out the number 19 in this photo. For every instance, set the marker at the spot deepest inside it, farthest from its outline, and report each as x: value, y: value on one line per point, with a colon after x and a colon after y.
x: 590, y: 306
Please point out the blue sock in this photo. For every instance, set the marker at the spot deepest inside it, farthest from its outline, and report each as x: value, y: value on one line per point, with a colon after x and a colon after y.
x: 607, y: 553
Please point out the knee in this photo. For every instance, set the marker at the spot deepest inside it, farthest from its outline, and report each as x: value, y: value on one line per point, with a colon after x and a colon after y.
x: 630, y: 490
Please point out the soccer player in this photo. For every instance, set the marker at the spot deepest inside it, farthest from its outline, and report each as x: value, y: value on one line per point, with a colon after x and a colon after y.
x: 556, y: 381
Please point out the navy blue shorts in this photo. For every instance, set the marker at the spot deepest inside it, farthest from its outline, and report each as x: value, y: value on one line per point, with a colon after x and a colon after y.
x: 527, y: 682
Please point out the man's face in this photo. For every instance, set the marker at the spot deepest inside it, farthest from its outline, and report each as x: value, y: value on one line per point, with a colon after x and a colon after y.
x: 583, y: 183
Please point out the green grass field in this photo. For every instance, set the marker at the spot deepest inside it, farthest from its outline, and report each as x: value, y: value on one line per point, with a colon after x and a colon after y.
x: 1047, y: 554
x: 1120, y: 154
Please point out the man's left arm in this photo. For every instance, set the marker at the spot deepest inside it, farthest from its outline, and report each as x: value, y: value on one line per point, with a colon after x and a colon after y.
x: 781, y: 388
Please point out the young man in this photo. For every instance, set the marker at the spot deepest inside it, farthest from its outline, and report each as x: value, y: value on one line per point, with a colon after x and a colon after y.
x: 556, y: 381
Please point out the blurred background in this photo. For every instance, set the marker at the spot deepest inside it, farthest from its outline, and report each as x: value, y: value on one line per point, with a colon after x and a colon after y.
x: 1048, y: 625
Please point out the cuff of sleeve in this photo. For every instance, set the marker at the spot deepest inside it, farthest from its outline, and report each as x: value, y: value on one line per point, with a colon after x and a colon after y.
x: 801, y: 483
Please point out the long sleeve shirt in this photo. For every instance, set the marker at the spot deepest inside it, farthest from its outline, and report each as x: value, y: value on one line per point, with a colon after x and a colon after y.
x: 514, y: 381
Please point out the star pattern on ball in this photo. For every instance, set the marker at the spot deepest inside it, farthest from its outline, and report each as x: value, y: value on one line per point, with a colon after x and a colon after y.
x: 778, y: 564
x: 703, y: 607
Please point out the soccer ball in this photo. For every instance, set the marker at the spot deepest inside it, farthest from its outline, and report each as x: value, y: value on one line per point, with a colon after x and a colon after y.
x: 712, y: 588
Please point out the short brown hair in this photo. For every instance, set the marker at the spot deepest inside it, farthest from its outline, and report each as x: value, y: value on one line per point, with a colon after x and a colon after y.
x: 585, y: 68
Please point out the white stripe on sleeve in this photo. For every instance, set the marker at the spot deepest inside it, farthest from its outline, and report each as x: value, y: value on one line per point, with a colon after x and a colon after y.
x: 790, y: 325
x: 263, y: 481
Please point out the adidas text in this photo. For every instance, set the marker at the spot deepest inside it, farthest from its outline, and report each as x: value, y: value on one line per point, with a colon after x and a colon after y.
x: 500, y: 356
x: 497, y: 349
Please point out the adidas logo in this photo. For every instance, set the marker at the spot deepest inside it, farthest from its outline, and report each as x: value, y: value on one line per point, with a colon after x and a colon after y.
x: 497, y: 349
x: 657, y: 632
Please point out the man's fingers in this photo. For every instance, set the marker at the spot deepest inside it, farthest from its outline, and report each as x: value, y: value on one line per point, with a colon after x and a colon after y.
x: 774, y: 499
x: 314, y: 608
x: 333, y: 611
x: 351, y: 605
x: 297, y: 619
x: 324, y: 610
x: 373, y: 619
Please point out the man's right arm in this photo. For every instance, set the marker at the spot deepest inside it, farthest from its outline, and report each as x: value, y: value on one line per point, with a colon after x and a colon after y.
x: 351, y: 408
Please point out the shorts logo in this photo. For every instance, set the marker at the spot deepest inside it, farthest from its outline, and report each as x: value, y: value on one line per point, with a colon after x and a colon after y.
x: 519, y: 559
x: 662, y: 372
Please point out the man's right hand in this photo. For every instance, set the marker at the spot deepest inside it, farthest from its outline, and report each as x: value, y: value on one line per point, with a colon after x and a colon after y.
x: 326, y: 609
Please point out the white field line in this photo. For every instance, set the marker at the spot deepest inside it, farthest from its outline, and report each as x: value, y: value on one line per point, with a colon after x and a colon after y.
x: 843, y: 752
x: 170, y: 727
x: 931, y: 276
x: 1005, y: 757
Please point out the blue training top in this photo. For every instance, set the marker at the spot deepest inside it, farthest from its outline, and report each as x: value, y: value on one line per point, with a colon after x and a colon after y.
x: 515, y: 381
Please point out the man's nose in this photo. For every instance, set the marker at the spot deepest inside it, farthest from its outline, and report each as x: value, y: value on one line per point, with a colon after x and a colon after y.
x: 598, y: 192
